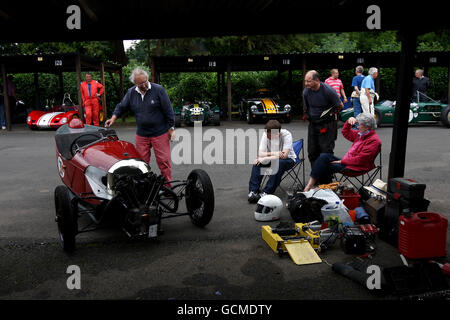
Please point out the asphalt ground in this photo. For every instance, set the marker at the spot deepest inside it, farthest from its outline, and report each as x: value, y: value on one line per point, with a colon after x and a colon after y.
x: 227, y: 259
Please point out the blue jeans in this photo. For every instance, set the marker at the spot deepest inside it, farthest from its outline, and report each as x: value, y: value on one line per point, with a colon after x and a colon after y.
x: 2, y: 115
x: 357, y: 109
x: 323, y: 170
x: 274, y: 180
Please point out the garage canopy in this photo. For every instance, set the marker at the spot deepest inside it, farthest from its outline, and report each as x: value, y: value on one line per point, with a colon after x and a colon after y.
x: 294, y: 61
x: 65, y: 20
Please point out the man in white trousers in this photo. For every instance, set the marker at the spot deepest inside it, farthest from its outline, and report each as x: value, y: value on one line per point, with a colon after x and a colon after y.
x: 368, y: 92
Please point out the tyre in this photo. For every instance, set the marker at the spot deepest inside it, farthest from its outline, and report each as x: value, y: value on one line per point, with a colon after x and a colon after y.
x: 199, y: 197
x: 249, y: 117
x: 177, y: 120
x: 378, y: 117
x: 216, y: 119
x: 66, y: 218
x: 287, y: 119
x: 445, y: 116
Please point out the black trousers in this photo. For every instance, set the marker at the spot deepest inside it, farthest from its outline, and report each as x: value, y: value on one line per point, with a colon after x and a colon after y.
x: 321, y: 139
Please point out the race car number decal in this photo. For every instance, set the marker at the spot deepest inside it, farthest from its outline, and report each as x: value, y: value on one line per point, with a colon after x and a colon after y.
x: 61, y: 167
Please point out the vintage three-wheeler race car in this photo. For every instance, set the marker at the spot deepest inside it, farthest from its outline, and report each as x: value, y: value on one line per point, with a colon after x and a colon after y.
x: 105, y: 179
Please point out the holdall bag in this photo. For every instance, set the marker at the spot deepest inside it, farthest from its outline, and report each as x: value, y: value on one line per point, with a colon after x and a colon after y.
x: 303, y: 209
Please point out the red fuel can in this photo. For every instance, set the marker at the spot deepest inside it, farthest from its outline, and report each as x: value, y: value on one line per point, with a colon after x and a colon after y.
x: 422, y: 235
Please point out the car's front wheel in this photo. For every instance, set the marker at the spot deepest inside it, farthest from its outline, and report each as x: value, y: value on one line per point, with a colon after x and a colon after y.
x: 200, y: 197
x: 66, y: 218
x: 445, y: 117
x: 249, y: 117
x: 378, y: 117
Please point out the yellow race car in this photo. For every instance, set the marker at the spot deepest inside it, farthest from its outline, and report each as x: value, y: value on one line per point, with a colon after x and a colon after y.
x: 262, y: 106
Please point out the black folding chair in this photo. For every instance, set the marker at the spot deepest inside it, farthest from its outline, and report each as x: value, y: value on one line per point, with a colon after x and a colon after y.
x: 294, y: 172
x: 359, y: 179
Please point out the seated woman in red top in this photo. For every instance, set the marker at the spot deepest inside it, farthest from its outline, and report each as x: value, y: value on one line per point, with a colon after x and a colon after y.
x: 360, y: 157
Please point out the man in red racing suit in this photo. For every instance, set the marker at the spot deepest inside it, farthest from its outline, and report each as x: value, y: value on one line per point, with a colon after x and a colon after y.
x: 91, y: 90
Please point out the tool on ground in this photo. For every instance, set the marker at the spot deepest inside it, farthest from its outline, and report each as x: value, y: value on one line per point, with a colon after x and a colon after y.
x: 300, y: 241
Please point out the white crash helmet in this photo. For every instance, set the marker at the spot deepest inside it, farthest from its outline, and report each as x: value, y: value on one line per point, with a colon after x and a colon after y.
x: 268, y: 208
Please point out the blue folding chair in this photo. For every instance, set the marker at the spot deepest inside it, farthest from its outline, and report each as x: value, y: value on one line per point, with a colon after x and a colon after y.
x: 294, y: 172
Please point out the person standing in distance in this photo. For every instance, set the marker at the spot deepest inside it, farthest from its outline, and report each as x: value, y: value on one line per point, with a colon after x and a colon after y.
x: 154, y: 119
x: 321, y: 106
x: 356, y: 84
x: 368, y: 92
x: 91, y: 91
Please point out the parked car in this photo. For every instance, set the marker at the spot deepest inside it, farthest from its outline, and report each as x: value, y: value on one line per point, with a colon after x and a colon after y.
x: 203, y: 111
x: 262, y: 105
x: 105, y: 179
x: 53, y: 117
x: 425, y: 110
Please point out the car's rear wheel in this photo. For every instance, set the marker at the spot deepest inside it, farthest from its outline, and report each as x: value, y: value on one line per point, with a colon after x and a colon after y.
x: 445, y: 117
x: 378, y: 117
x: 216, y: 119
x: 200, y: 197
x: 66, y: 218
x: 177, y: 120
x: 249, y: 117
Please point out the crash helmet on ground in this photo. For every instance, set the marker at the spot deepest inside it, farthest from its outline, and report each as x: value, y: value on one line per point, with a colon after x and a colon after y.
x: 268, y: 208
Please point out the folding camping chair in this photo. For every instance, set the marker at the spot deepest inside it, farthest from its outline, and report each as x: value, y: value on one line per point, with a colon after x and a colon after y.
x: 359, y: 179
x: 294, y: 172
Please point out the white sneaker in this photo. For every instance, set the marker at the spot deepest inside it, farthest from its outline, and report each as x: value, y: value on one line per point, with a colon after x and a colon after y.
x: 3, y: 128
x: 253, y: 197
x: 262, y: 194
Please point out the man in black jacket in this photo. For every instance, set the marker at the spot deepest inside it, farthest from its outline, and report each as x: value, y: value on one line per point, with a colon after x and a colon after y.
x: 154, y: 119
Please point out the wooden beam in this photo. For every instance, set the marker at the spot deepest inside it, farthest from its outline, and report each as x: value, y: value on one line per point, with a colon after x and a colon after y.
x: 218, y: 91
x: 153, y: 70
x: 448, y: 80
x: 401, y: 117
x: 61, y: 85
x: 78, y: 73
x: 102, y: 80
x: 5, y: 93
x: 37, y: 98
x: 124, y: 117
x: 229, y: 90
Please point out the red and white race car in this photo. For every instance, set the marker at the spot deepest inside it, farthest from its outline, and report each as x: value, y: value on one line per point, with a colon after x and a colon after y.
x: 53, y: 118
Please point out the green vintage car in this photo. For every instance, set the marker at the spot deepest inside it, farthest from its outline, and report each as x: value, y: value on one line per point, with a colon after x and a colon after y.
x: 202, y: 111
x: 428, y: 111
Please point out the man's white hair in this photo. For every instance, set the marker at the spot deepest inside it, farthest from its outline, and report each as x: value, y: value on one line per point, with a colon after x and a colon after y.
x: 137, y: 71
x: 373, y: 70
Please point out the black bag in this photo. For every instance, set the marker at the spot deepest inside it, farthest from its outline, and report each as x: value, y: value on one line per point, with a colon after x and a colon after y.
x: 304, y: 209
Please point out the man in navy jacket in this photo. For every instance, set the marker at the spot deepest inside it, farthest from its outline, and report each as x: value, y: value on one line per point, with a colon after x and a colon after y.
x: 154, y: 119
